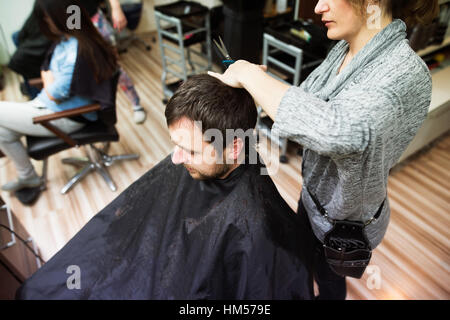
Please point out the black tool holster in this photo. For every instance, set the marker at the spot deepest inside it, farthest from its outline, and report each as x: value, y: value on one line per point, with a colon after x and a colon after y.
x: 347, y: 249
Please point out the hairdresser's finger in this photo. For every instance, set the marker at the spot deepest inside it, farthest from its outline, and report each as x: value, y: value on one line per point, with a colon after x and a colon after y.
x: 215, y: 75
x: 226, y: 78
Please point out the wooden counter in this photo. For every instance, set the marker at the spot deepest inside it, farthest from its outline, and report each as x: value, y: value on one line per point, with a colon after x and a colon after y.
x: 17, y: 262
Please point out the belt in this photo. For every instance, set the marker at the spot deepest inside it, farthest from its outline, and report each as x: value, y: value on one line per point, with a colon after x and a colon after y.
x: 324, y: 211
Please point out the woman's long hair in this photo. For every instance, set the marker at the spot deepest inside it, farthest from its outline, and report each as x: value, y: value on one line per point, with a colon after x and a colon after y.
x: 53, y: 16
x: 413, y: 12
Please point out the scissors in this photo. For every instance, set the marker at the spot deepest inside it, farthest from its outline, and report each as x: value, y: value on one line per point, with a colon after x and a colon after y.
x: 223, y: 50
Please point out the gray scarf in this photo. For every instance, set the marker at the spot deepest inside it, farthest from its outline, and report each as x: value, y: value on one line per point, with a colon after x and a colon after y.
x: 326, y: 83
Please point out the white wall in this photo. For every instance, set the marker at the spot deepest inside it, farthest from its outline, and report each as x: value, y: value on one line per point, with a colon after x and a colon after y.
x: 12, y: 16
x: 3, y: 53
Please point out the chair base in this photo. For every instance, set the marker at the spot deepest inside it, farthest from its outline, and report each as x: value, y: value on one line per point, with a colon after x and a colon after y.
x: 125, y: 40
x: 96, y: 160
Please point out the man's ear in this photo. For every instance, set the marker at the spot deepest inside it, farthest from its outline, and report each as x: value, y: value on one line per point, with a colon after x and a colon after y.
x: 234, y: 150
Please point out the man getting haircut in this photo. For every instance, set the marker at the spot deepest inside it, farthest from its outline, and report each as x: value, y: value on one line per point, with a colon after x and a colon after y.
x: 202, y: 224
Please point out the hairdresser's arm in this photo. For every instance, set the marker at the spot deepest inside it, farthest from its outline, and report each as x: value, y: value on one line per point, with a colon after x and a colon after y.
x: 265, y: 90
x: 119, y: 19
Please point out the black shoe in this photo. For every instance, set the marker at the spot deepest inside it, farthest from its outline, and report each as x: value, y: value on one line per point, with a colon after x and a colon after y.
x: 28, y: 196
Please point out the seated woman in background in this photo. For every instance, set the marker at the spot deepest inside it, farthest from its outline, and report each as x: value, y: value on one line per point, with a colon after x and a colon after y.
x: 32, y: 46
x: 73, y: 48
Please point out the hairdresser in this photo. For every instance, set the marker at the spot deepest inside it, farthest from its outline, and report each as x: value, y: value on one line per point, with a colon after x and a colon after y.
x: 354, y: 115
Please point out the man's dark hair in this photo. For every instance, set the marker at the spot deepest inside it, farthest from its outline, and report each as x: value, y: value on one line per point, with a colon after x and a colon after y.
x: 218, y: 106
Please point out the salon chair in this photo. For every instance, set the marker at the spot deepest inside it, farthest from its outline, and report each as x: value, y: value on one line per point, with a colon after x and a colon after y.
x: 132, y: 9
x: 97, y: 158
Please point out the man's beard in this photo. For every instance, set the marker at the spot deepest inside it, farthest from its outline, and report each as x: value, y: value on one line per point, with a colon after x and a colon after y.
x: 220, y: 171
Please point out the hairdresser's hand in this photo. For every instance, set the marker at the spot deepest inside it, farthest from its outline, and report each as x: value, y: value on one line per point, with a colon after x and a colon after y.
x: 237, y: 73
x: 118, y: 17
x: 264, y: 89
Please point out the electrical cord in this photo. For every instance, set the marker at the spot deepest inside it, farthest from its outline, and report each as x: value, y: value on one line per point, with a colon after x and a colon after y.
x: 24, y: 241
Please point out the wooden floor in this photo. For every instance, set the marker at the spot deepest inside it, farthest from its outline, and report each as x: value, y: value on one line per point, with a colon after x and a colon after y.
x: 413, y: 261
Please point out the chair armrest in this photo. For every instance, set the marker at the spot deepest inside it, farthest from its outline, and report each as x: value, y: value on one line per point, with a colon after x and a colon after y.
x: 36, y: 82
x: 67, y: 113
x: 44, y: 121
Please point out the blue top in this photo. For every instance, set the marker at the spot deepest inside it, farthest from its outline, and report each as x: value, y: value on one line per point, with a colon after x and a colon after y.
x: 62, y: 65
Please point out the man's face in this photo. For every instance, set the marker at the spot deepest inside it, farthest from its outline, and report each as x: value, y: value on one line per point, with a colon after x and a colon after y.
x: 199, y: 157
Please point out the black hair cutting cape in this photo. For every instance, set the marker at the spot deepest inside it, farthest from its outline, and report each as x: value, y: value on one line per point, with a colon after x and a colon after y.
x: 169, y: 236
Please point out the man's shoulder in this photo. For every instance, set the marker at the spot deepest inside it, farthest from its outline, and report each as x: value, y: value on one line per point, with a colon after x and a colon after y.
x: 256, y: 199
